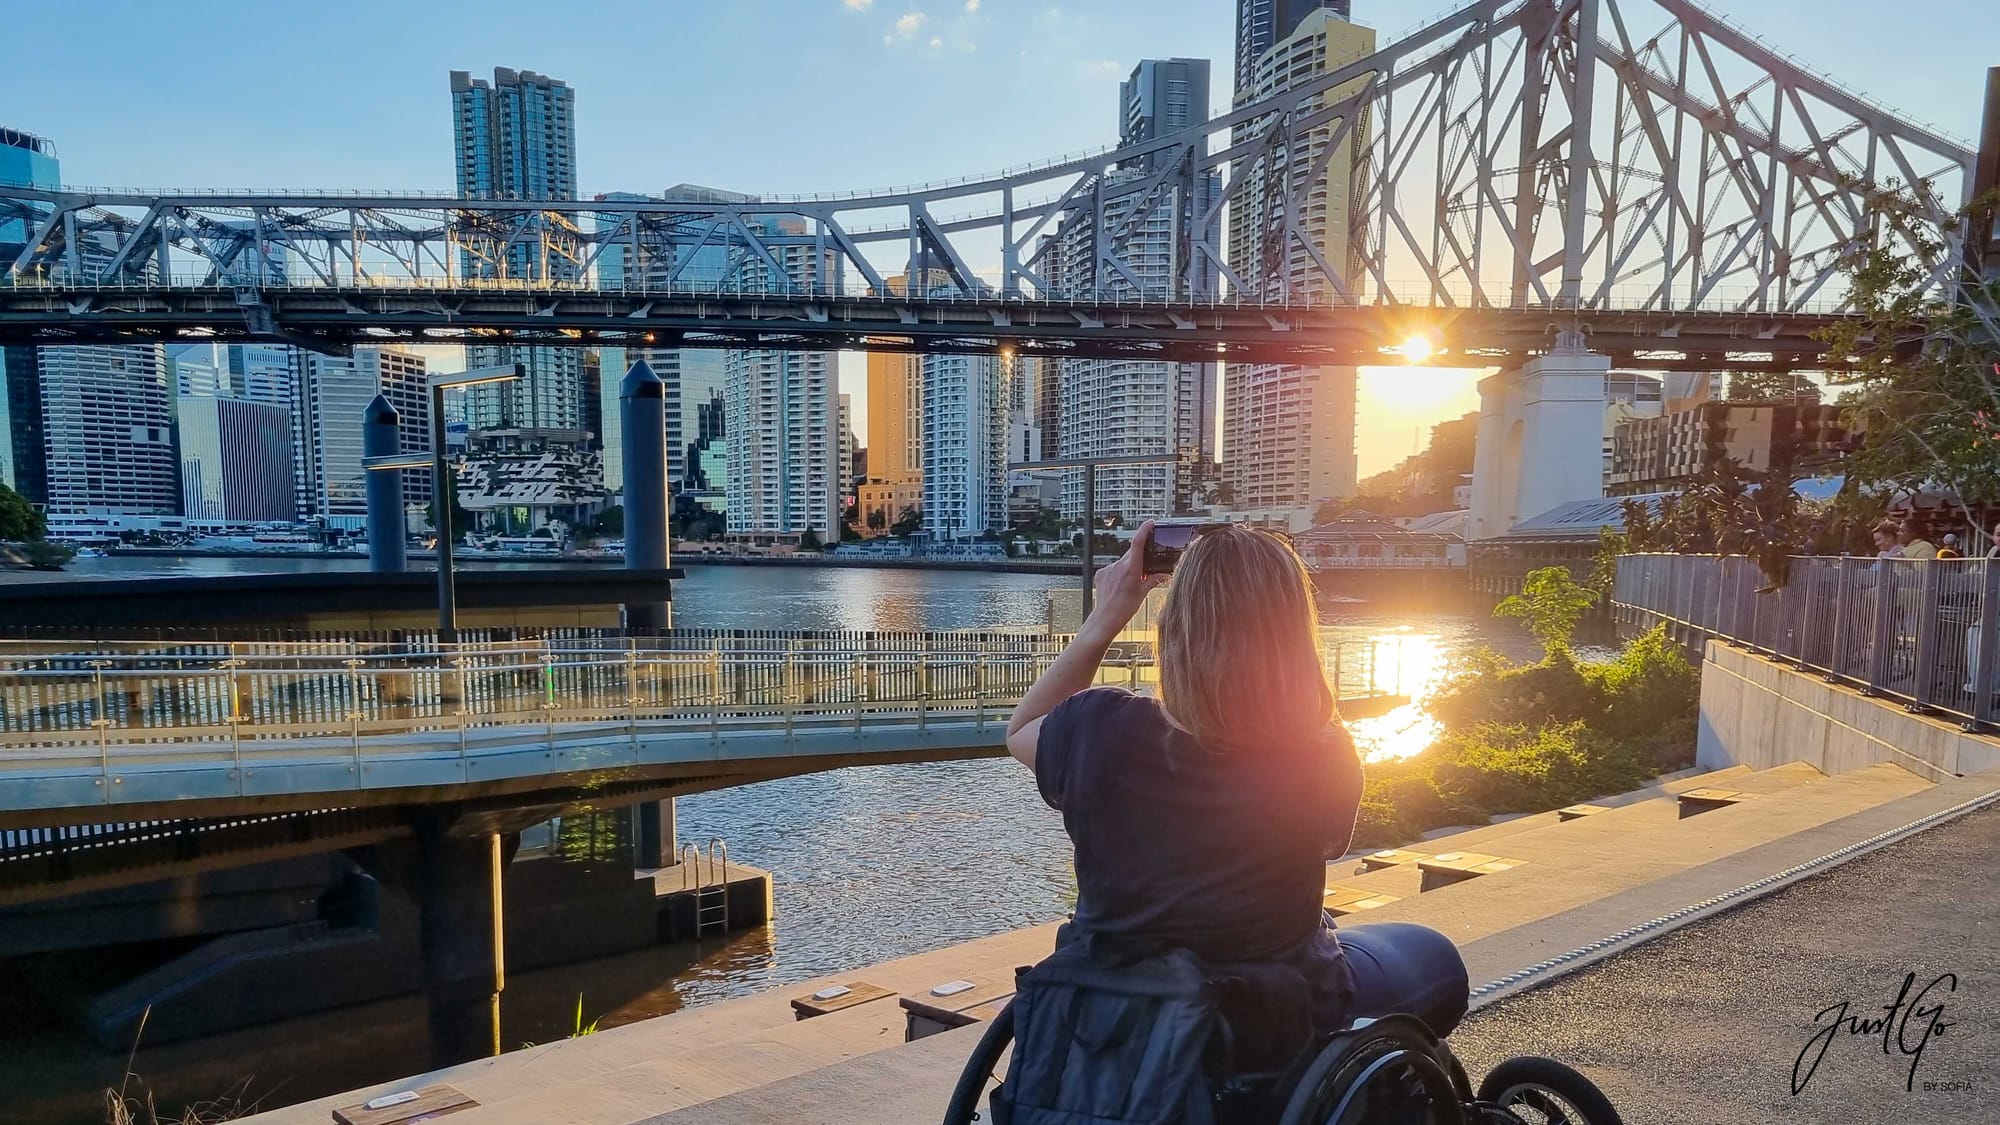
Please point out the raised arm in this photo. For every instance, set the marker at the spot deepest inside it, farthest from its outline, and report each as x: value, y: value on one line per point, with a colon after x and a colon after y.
x: 1120, y: 588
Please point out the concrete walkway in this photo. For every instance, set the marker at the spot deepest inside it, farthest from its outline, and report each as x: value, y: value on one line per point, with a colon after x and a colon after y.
x: 1705, y: 1024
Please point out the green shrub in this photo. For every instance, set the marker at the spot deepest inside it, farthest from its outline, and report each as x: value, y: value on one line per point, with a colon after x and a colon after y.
x: 1555, y: 689
x: 1534, y: 737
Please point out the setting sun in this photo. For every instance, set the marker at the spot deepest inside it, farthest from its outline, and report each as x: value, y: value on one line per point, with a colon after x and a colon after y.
x: 1417, y: 349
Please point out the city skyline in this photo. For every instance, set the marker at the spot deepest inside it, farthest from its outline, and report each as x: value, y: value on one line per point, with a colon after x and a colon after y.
x: 1043, y: 59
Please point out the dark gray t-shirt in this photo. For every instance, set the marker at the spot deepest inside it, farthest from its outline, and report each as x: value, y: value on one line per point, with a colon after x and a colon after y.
x: 1220, y: 853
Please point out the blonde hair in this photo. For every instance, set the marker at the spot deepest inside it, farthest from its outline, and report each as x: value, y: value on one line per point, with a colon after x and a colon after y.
x: 1239, y: 643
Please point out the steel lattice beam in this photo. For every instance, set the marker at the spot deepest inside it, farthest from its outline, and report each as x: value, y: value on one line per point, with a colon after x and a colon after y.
x: 1586, y: 155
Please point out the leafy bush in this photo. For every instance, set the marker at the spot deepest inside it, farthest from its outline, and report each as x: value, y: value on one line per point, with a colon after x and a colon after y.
x: 1554, y: 690
x: 1533, y: 737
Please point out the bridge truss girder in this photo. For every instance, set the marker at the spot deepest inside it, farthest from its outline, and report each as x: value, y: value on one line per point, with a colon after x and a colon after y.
x: 1587, y: 154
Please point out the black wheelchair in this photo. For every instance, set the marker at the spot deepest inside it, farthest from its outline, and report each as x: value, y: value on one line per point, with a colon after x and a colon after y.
x: 1387, y: 1071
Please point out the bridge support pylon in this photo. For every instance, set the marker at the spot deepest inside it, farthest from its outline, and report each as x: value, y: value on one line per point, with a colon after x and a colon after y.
x: 459, y: 922
x: 1541, y: 438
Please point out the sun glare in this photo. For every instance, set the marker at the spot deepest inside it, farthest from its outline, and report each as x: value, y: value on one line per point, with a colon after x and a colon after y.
x: 1417, y: 349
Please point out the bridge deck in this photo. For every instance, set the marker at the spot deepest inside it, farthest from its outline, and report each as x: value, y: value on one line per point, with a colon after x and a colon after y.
x: 1081, y: 327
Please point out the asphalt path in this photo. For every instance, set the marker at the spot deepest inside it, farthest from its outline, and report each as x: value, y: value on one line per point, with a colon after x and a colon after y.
x: 1719, y: 1021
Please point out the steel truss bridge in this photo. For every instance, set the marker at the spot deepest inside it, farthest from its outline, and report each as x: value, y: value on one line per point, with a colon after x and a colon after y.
x: 1637, y: 171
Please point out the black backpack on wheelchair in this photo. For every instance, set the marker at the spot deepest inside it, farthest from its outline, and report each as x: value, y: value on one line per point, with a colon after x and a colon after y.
x: 1105, y: 1036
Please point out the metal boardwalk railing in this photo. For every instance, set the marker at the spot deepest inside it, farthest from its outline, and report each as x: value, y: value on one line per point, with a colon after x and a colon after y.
x: 1915, y: 630
x: 108, y: 707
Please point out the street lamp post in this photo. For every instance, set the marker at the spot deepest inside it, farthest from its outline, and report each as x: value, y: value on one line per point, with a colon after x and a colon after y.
x: 441, y: 482
x: 1090, y: 465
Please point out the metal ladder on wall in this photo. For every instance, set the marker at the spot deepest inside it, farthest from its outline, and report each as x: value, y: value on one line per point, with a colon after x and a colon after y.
x: 711, y: 885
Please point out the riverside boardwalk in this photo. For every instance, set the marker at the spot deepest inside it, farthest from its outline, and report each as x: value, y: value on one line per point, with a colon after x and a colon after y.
x: 1577, y: 892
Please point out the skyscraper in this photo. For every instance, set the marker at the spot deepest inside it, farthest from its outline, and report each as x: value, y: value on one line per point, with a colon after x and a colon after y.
x: 781, y: 412
x: 236, y: 459
x: 330, y: 395
x: 965, y: 444
x: 1139, y: 408
x: 1288, y: 432
x: 693, y: 376
x: 1262, y: 24
x: 895, y: 426
x: 516, y: 139
x: 24, y: 159
x: 1163, y: 96
x: 108, y: 428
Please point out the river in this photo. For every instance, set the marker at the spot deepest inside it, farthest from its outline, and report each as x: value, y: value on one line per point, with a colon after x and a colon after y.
x: 869, y: 864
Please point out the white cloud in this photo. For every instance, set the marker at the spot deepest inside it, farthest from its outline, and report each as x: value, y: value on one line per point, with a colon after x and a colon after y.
x: 936, y: 41
x: 907, y: 24
x: 971, y: 6
x: 858, y: 5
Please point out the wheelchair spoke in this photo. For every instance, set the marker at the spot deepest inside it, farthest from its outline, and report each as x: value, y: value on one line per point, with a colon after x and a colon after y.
x: 1537, y: 1106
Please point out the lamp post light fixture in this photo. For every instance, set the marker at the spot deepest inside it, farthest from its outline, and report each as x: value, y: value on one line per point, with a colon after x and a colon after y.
x: 441, y: 482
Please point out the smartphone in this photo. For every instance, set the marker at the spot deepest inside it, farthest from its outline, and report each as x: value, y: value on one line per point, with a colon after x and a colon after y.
x: 1169, y: 542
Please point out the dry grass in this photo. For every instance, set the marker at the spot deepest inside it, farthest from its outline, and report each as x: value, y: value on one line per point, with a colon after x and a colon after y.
x: 132, y: 1102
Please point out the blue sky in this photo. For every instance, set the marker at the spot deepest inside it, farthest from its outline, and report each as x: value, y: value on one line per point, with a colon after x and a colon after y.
x: 755, y: 95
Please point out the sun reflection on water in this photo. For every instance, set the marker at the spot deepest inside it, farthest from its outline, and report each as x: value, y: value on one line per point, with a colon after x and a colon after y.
x: 1412, y: 664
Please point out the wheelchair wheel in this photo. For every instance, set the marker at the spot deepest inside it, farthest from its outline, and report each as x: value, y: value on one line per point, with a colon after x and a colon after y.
x: 1539, y: 1091
x: 1381, y: 1074
x: 982, y: 1070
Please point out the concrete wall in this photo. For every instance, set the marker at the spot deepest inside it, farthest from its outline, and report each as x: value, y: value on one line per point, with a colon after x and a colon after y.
x: 1759, y: 713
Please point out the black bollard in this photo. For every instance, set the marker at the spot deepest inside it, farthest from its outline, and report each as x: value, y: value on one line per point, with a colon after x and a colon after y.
x: 642, y: 399
x: 388, y: 533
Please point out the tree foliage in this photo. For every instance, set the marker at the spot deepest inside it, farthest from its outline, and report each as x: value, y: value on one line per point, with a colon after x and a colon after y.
x: 1768, y: 386
x: 1919, y: 358
x: 19, y: 520
x: 907, y: 524
x: 1727, y: 510
x: 1551, y: 603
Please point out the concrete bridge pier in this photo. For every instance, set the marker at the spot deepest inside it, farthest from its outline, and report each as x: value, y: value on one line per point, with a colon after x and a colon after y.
x: 459, y: 925
x: 388, y: 536
x: 1541, y: 434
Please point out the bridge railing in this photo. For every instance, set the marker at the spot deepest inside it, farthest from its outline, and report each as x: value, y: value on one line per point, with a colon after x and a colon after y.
x: 1915, y: 630
x: 1414, y: 292
x: 205, y: 700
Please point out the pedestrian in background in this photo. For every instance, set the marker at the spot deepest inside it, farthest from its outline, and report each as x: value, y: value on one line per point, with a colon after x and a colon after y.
x: 1912, y: 544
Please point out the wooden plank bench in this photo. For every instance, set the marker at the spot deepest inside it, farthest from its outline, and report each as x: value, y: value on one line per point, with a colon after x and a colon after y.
x: 410, y: 1105
x: 954, y: 1004
x: 1694, y: 802
x: 837, y: 998
x: 1578, y: 812
x: 1446, y: 868
x: 1342, y: 901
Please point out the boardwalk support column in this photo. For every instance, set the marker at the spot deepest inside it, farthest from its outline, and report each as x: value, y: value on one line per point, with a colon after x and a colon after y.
x: 642, y: 401
x: 656, y: 834
x: 459, y: 908
x: 388, y: 537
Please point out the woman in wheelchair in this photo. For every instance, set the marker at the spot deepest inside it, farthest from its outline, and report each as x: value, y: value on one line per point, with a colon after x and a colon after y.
x: 1203, y: 818
x: 1202, y: 821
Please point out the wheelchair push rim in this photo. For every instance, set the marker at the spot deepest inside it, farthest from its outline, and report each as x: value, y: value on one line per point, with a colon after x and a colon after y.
x: 1394, y: 1057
